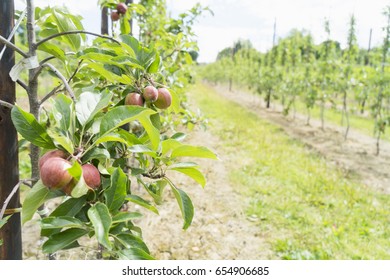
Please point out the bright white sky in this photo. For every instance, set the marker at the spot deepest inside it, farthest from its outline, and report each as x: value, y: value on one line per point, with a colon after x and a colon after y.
x: 254, y: 20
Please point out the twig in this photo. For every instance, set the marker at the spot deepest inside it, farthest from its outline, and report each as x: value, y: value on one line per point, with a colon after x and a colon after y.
x: 7, y: 200
x: 6, y: 104
x: 22, y: 84
x: 75, y: 71
x: 12, y: 46
x: 75, y: 32
x: 153, y: 176
x: 50, y: 94
x: 9, y: 197
x: 62, y: 78
x: 56, y: 89
x: 52, y: 57
x: 22, y: 16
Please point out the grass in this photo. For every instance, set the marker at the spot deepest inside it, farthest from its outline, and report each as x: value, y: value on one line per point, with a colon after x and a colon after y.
x: 305, y: 207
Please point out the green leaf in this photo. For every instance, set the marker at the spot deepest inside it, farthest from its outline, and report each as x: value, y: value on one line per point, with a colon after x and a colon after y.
x: 110, y: 76
x: 176, y: 107
x: 35, y: 197
x: 130, y: 241
x: 125, y: 26
x: 142, y: 149
x: 61, y: 222
x: 153, y: 68
x: 96, y: 153
x: 115, y: 194
x: 169, y: 145
x: 64, y: 24
x: 63, y: 110
x: 76, y: 171
x: 132, y: 42
x: 81, y: 188
x: 140, y: 201
x: 179, y: 136
x: 125, y: 114
x: 62, y: 240
x: 101, y: 220
x: 155, y: 189
x: 193, y: 151
x: 26, y: 124
x: 192, y: 172
x: 4, y: 220
x: 69, y: 207
x: 185, y: 204
x: 134, y: 254
x: 89, y: 104
x: 53, y: 50
x: 125, y: 216
x: 111, y: 137
x: 62, y: 140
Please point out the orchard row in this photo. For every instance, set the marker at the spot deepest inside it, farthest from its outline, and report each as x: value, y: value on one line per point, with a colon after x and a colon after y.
x: 350, y: 80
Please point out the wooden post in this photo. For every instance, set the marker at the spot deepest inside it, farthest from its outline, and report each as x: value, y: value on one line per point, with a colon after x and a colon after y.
x: 131, y: 19
x: 10, y: 233
x: 104, y: 22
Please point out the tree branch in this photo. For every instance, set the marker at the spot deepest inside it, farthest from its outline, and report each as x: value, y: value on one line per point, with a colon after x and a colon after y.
x: 22, y: 84
x: 9, y: 197
x: 12, y: 46
x: 62, y: 78
x: 50, y: 94
x: 6, y: 104
x: 75, y: 32
x: 52, y: 57
x: 57, y: 88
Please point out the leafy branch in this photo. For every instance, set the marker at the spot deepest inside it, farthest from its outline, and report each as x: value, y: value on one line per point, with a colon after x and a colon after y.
x: 75, y: 32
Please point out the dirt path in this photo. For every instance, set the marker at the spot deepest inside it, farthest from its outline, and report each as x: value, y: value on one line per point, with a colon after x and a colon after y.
x: 220, y: 229
x: 355, y: 156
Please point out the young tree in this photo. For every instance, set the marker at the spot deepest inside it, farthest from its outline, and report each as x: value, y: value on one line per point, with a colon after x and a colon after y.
x: 89, y: 161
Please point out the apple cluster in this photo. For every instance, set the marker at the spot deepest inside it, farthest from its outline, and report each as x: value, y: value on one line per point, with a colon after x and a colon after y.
x: 121, y: 9
x: 54, y: 167
x: 161, y: 97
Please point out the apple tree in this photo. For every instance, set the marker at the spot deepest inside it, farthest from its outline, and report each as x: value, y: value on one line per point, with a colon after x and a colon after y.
x: 105, y: 131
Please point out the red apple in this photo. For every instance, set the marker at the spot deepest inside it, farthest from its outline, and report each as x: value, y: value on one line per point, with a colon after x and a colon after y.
x: 54, y: 173
x: 115, y: 15
x: 51, y: 154
x: 150, y: 93
x: 134, y: 99
x: 122, y: 8
x: 91, y: 176
x: 164, y: 99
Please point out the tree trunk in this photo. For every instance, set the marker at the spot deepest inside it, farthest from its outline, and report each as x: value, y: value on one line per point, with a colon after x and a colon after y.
x: 33, y: 87
x: 10, y: 233
x: 268, y: 99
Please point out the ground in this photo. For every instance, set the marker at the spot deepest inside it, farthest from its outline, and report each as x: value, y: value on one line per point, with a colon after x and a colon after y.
x: 221, y: 229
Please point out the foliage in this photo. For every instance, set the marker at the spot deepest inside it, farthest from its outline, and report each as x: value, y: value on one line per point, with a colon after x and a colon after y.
x: 130, y: 145
x: 350, y: 80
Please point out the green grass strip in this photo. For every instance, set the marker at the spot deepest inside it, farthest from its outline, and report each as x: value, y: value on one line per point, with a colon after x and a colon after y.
x: 304, y: 207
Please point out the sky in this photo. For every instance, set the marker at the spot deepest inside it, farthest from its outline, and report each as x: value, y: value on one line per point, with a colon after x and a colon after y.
x: 254, y: 20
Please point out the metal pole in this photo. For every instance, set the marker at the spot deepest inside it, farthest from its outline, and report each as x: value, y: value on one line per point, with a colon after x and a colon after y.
x: 10, y: 233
